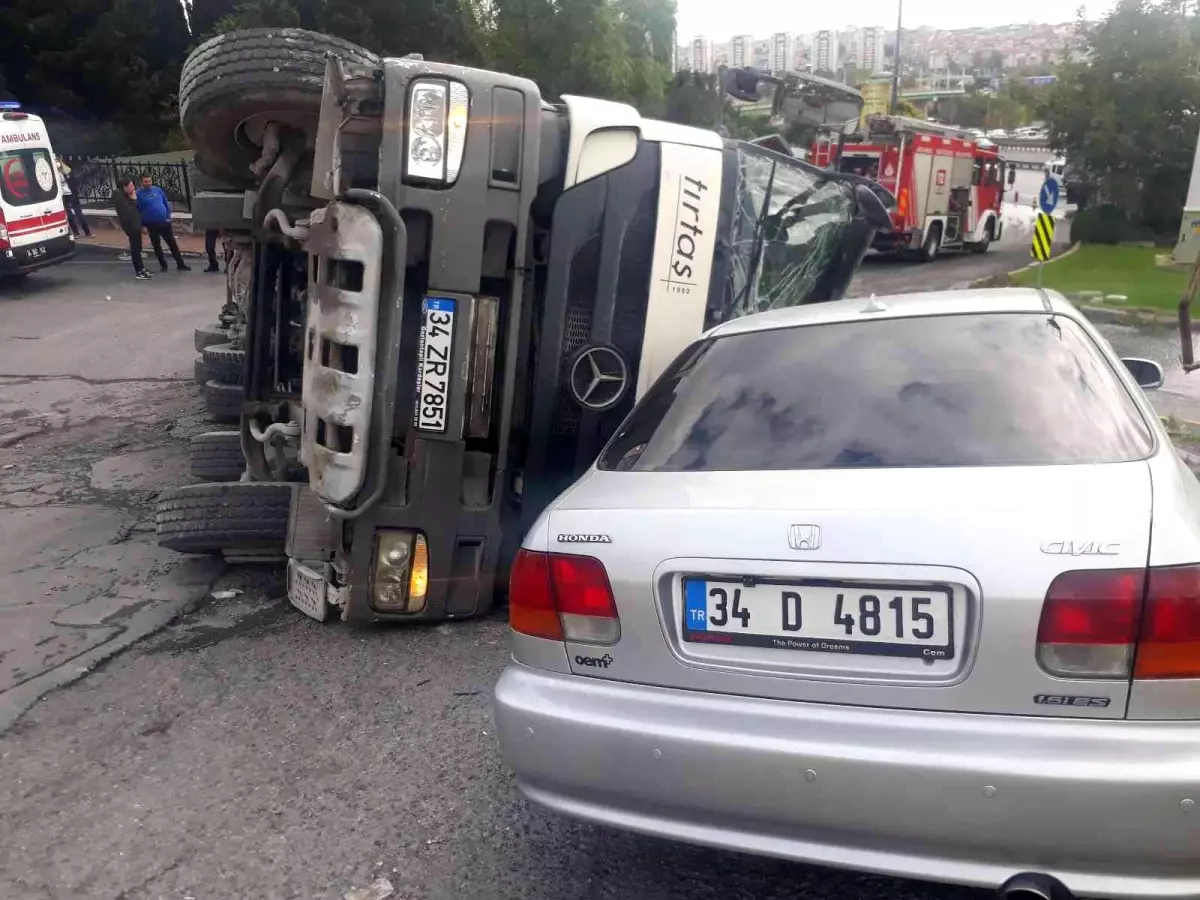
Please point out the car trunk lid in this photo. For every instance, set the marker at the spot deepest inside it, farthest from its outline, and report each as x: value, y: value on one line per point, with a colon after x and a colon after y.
x: 908, y: 588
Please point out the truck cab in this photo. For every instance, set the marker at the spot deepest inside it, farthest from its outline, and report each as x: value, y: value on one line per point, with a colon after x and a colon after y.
x: 458, y: 292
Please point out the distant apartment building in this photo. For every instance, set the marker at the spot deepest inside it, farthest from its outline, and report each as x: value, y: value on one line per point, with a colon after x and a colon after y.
x: 702, y: 55
x: 741, y: 50
x: 783, y: 47
x: 869, y: 49
x: 825, y: 56
x: 720, y: 56
x: 762, y: 54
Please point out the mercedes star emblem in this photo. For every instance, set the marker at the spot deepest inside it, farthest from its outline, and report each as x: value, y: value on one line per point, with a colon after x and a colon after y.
x: 598, y: 377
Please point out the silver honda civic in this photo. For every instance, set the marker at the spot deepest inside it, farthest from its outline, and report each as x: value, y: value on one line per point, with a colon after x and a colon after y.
x: 908, y: 585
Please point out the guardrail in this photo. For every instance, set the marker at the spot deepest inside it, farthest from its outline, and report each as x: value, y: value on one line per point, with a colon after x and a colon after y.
x: 95, y: 178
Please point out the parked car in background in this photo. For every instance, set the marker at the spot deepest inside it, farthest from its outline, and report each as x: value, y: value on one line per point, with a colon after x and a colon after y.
x: 996, y: 133
x: 873, y: 584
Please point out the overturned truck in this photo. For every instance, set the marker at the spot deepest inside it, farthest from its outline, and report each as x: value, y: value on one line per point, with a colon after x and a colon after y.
x: 451, y: 294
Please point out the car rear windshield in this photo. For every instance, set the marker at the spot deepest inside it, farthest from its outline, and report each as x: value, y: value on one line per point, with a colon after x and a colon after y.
x: 27, y: 176
x: 966, y: 390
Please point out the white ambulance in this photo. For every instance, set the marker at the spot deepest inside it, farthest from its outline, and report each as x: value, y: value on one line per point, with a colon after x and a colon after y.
x: 33, y: 220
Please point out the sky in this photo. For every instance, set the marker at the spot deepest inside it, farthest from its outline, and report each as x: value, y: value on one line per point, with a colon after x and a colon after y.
x: 718, y: 19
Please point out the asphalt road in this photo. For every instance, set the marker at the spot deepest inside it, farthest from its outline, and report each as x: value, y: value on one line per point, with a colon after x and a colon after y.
x: 245, y: 751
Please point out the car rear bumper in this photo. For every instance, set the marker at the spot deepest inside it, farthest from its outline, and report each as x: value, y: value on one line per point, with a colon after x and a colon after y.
x: 17, y: 260
x: 964, y: 798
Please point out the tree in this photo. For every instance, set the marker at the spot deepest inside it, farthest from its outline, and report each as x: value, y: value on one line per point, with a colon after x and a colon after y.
x: 1128, y: 115
x: 103, y: 72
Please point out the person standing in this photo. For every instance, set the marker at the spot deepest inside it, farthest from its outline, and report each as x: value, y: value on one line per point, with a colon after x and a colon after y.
x: 124, y: 201
x: 210, y: 247
x: 66, y: 186
x: 156, y: 216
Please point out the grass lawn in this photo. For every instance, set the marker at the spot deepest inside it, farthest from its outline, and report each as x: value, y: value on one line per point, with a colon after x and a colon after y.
x: 1115, y: 270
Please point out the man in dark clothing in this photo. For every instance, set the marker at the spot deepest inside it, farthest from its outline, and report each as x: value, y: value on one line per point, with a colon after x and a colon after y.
x: 156, y: 216
x: 124, y: 201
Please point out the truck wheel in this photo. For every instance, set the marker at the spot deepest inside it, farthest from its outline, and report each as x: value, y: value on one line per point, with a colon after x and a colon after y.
x: 982, y: 246
x: 260, y: 74
x: 217, y: 456
x: 224, y: 363
x: 223, y: 401
x: 209, y: 518
x: 208, y: 335
x: 933, y: 243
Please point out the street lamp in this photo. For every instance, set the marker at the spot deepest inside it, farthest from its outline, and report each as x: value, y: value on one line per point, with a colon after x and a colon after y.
x: 896, y: 59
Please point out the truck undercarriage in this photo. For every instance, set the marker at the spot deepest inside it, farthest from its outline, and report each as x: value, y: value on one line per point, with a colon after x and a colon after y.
x: 448, y: 294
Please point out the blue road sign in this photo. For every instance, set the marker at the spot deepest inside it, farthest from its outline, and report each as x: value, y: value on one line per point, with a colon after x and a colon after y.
x: 1048, y: 195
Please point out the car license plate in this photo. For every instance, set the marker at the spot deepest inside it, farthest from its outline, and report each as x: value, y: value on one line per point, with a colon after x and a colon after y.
x: 35, y: 252
x: 825, y: 616
x: 433, y: 364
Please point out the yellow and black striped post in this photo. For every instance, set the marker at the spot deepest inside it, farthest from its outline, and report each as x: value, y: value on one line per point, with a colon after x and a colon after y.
x: 1043, y: 237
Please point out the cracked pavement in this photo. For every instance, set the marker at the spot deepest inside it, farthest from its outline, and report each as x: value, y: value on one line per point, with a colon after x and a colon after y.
x: 96, y: 405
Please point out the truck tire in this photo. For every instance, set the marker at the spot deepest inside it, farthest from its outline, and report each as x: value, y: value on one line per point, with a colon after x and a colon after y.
x: 223, y: 401
x: 224, y: 363
x: 209, y: 334
x: 209, y: 518
x: 982, y: 246
x: 933, y: 243
x: 258, y: 73
x: 217, y: 456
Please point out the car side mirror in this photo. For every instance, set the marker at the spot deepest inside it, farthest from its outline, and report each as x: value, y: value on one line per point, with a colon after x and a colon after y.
x: 1146, y: 372
x: 874, y: 203
x: 1012, y: 177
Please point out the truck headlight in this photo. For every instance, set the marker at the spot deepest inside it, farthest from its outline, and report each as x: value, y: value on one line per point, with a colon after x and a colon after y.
x: 437, y: 129
x: 400, y: 577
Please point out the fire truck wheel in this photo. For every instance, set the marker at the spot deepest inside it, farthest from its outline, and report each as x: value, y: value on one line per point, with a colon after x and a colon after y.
x: 224, y: 363
x: 209, y: 334
x: 209, y: 518
x: 982, y: 246
x: 217, y: 456
x: 223, y: 401
x: 933, y: 243
x: 233, y: 84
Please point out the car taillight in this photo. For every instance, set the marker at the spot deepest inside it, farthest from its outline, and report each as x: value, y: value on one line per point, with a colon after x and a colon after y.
x: 562, y: 598
x: 1089, y: 623
x: 1112, y: 623
x: 1169, y: 646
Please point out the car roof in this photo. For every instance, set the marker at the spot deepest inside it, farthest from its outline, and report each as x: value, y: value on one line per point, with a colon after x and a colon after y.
x: 901, y: 306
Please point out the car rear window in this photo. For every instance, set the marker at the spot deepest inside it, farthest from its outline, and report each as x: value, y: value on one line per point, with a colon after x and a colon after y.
x: 27, y: 176
x: 968, y: 390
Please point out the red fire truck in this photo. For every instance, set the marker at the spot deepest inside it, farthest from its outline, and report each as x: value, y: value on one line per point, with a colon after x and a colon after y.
x: 948, y: 185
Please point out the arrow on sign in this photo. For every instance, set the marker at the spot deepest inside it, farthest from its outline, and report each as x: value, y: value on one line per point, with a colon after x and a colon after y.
x: 1048, y: 195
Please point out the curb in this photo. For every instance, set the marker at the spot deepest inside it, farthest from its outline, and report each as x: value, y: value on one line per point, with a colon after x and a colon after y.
x: 1000, y: 280
x: 97, y: 250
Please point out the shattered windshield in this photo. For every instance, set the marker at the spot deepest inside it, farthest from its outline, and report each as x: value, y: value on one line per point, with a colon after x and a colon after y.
x: 791, y: 226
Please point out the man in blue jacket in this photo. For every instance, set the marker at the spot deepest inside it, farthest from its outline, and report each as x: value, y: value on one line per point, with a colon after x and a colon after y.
x: 156, y: 216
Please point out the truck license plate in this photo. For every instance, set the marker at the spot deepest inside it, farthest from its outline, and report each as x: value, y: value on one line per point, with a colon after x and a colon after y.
x: 433, y: 364
x: 35, y: 252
